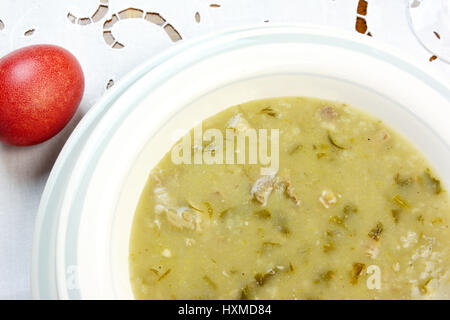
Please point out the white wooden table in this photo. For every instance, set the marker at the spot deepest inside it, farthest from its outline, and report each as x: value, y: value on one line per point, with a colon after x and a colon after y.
x: 108, y: 51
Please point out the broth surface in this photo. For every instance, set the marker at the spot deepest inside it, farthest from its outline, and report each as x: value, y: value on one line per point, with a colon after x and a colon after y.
x: 353, y: 212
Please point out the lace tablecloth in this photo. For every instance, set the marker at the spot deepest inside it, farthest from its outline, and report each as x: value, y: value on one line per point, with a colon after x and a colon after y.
x: 111, y: 37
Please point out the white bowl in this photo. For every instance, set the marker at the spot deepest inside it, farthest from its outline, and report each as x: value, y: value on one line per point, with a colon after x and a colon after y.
x: 82, y: 233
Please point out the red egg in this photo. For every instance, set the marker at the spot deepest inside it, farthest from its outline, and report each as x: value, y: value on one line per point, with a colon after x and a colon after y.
x: 41, y: 87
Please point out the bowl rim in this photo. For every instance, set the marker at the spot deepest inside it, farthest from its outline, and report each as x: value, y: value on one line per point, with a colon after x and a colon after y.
x: 44, y: 233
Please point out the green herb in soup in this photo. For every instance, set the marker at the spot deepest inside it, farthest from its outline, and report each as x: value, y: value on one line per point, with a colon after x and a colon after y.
x: 352, y: 212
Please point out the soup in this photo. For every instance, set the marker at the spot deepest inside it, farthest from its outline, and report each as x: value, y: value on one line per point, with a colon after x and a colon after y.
x: 350, y: 210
